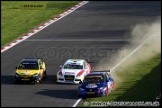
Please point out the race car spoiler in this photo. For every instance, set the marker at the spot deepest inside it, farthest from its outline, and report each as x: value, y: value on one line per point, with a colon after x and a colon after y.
x: 102, y: 71
x: 88, y: 61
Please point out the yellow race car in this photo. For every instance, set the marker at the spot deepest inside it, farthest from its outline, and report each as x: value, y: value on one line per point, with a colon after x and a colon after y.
x: 30, y: 70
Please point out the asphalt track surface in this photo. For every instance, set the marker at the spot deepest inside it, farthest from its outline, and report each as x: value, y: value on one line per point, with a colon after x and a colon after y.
x: 89, y: 32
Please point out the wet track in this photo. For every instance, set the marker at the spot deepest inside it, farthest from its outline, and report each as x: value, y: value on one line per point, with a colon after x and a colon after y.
x: 95, y: 31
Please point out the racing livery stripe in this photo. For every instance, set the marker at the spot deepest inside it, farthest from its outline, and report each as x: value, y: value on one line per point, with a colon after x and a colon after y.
x: 42, y: 26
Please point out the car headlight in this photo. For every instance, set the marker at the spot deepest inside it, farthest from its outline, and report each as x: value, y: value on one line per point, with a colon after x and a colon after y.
x: 35, y: 75
x: 82, y: 89
x: 101, y: 88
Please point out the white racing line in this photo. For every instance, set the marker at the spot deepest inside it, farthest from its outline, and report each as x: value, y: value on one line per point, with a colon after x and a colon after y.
x: 76, y: 103
x: 27, y: 35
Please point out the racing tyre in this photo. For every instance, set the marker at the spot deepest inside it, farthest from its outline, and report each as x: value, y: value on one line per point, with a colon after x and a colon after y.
x: 107, y: 91
x: 33, y: 82
x: 37, y: 81
x: 79, y: 96
x: 83, y: 97
x: 44, y: 75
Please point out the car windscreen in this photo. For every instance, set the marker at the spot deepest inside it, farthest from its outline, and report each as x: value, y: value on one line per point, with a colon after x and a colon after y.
x: 93, y: 79
x: 70, y: 66
x: 28, y: 65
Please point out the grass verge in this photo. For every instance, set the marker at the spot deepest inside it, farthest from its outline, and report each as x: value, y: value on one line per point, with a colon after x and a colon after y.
x: 15, y: 21
x: 141, y: 82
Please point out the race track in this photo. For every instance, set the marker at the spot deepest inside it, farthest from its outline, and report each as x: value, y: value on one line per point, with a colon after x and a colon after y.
x: 96, y: 30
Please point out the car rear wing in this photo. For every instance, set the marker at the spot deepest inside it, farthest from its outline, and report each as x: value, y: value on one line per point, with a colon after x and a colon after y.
x: 88, y: 61
x: 102, y: 71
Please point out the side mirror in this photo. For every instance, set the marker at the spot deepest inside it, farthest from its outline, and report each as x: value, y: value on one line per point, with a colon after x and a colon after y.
x: 80, y: 82
x: 16, y: 67
x: 60, y: 66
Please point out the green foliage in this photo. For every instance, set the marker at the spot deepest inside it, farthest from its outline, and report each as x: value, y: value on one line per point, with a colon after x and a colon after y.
x: 142, y: 82
x: 16, y: 21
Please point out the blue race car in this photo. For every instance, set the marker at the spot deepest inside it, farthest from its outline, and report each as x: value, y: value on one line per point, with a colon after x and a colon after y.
x: 96, y: 83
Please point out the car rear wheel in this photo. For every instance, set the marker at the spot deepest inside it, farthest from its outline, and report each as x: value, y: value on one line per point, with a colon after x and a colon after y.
x: 33, y: 82
x: 44, y: 75
x: 37, y: 81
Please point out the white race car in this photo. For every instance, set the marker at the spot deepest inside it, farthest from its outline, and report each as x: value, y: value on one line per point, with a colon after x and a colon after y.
x: 73, y: 71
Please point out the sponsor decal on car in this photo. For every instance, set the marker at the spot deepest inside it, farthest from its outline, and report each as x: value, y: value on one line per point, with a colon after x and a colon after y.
x: 69, y: 73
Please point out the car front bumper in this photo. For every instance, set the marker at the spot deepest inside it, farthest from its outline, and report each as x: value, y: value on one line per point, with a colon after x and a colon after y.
x: 84, y: 93
x: 24, y: 79
x: 75, y: 80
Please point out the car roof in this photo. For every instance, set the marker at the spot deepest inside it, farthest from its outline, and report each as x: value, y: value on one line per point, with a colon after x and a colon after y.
x: 76, y: 61
x: 96, y: 73
x: 29, y: 60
